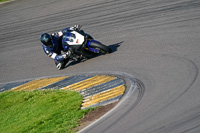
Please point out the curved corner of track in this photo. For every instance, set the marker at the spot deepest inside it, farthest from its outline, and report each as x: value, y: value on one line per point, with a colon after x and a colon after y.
x: 97, y: 88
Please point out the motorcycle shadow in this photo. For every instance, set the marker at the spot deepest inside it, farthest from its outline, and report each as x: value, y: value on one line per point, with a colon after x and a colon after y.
x: 113, y: 48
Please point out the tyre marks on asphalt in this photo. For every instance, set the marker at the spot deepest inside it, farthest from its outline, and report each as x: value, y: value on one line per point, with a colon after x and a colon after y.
x: 96, y: 90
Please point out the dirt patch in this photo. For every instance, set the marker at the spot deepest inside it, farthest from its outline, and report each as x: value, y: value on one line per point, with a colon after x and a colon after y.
x: 94, y: 115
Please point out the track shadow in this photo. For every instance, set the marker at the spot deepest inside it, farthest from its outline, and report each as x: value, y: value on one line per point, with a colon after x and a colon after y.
x: 113, y: 48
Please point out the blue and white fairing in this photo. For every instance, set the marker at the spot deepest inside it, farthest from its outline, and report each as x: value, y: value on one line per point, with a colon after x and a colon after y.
x: 72, y: 38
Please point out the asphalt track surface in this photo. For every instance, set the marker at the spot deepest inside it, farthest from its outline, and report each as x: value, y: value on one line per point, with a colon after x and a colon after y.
x: 154, y: 41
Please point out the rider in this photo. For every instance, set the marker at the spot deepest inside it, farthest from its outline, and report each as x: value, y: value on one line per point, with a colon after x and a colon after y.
x: 52, y: 46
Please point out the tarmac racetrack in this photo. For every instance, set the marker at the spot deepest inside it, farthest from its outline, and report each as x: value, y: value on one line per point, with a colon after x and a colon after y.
x: 155, y: 41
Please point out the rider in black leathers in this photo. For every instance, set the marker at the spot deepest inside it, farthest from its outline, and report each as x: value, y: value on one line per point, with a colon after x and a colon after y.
x: 52, y: 46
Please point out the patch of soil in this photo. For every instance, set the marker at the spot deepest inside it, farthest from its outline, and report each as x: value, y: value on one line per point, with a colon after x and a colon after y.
x: 94, y: 115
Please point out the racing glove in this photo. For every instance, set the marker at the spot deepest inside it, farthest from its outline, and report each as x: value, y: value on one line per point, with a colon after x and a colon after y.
x: 67, y: 54
x: 76, y: 27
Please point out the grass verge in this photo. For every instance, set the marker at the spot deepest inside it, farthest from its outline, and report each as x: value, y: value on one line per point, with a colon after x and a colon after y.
x: 40, y: 111
x: 3, y: 1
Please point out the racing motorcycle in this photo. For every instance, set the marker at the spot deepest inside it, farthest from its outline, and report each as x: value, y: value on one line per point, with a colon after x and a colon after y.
x: 83, y: 45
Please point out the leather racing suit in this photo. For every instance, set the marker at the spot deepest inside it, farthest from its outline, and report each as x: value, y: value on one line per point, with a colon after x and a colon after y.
x: 54, y: 51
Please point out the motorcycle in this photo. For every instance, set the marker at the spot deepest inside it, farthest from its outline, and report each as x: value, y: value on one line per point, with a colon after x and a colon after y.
x: 83, y: 45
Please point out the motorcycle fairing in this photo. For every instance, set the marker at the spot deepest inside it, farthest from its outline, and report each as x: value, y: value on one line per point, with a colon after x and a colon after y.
x: 73, y: 38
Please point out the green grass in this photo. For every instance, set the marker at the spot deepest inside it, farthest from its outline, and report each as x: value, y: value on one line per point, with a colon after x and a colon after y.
x: 3, y: 0
x: 40, y: 111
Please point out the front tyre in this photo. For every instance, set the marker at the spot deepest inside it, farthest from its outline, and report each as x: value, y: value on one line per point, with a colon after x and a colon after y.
x: 61, y: 64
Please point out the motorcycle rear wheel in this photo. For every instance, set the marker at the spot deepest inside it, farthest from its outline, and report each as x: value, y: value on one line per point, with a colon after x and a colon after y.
x: 101, y: 47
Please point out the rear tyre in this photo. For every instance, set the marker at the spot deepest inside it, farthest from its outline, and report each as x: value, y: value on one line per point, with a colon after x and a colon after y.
x: 101, y: 47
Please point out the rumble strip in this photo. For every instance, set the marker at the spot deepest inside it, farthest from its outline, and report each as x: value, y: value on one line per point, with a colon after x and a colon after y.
x: 96, y: 90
